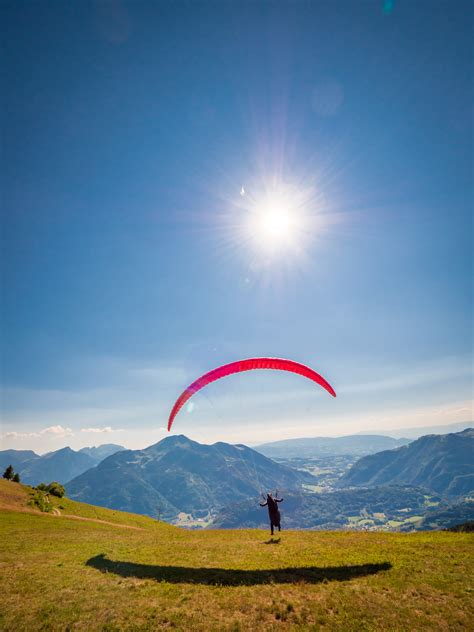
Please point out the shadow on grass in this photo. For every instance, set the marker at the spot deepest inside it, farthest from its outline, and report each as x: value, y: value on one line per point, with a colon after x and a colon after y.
x: 272, y: 541
x: 234, y: 577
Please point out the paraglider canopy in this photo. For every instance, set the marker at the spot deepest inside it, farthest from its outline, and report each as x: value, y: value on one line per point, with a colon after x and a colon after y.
x: 249, y: 364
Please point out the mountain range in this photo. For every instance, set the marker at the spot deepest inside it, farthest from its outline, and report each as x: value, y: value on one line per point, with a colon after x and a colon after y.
x: 424, y: 485
x: 441, y: 463
x: 101, y: 452
x: 16, y: 458
x: 178, y: 475
x: 358, y: 445
x: 61, y: 465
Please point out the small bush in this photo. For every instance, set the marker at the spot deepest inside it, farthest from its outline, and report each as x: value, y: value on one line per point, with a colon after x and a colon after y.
x: 16, y: 478
x: 40, y: 499
x: 56, y: 489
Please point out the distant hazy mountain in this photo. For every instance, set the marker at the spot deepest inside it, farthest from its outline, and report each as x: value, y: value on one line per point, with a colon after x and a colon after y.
x: 180, y: 475
x: 329, y: 446
x: 421, y: 431
x: 101, y: 452
x: 442, y: 463
x: 60, y: 465
x: 16, y: 458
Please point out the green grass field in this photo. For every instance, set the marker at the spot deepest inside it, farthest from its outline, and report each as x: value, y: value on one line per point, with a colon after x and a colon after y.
x: 96, y: 569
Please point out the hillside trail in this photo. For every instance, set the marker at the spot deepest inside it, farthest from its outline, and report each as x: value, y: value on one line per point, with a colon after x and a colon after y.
x: 98, y: 520
x: 15, y: 498
x: 55, y: 513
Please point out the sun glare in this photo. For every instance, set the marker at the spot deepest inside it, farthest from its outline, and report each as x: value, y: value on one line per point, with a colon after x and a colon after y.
x: 274, y: 221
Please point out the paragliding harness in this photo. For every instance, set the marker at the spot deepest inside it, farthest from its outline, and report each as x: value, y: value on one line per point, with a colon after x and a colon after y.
x: 273, y: 511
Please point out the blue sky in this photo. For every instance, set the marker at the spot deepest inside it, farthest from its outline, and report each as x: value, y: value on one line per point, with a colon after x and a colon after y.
x: 138, y: 139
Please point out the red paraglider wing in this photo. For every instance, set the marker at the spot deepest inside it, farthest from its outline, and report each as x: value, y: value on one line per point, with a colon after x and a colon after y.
x: 239, y: 366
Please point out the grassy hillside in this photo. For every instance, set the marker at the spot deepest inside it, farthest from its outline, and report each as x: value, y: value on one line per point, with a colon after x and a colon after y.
x: 20, y: 498
x: 97, y: 569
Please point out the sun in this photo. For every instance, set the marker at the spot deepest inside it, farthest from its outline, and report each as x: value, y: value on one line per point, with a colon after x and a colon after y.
x: 274, y: 221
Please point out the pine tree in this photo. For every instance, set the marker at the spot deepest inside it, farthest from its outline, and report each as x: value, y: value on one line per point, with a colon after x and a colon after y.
x: 8, y: 473
x: 16, y: 478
